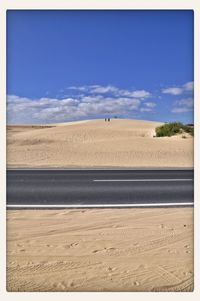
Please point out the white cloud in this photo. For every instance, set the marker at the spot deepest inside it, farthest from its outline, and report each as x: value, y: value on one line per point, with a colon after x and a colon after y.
x: 138, y: 93
x: 183, y: 105
x: 188, y: 102
x: 102, y: 89
x: 146, y: 110
x: 81, y: 88
x: 187, y: 87
x: 141, y: 93
x: 150, y: 104
x: 180, y: 110
x: 148, y: 107
x: 92, y: 101
x: 48, y: 110
x: 173, y: 91
x: 112, y: 90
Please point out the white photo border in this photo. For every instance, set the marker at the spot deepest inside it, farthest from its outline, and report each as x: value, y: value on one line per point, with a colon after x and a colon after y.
x: 99, y: 4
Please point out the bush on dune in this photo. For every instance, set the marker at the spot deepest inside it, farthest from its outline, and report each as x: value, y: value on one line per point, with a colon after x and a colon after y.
x: 173, y: 128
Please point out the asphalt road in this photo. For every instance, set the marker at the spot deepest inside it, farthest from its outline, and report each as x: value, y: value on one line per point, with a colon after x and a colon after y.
x: 99, y: 188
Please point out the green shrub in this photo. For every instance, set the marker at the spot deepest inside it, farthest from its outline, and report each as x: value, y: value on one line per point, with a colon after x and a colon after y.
x: 189, y: 129
x: 173, y: 128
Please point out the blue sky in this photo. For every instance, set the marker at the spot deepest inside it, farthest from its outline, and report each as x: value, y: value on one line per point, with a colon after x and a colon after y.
x: 72, y: 65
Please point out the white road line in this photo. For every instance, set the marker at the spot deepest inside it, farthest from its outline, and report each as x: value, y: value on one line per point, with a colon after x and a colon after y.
x: 102, y: 206
x: 141, y: 180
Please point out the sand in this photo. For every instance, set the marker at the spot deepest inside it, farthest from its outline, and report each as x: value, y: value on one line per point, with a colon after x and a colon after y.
x: 96, y: 143
x: 100, y: 250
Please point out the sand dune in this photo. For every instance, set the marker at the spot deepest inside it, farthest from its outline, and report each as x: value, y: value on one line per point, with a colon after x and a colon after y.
x: 96, y: 143
x: 100, y: 250
x: 104, y: 249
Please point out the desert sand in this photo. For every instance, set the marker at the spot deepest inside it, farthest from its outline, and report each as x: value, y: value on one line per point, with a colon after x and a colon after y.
x: 96, y: 143
x: 100, y: 250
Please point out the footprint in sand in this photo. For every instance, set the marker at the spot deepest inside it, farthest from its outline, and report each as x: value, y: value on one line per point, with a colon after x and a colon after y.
x: 74, y: 244
x: 59, y: 285
x: 172, y: 251
x: 104, y: 250
x: 110, y: 269
x: 70, y: 283
x: 96, y: 251
x: 69, y: 246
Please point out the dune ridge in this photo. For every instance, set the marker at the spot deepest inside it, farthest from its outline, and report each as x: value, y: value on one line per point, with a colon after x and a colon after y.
x: 96, y: 143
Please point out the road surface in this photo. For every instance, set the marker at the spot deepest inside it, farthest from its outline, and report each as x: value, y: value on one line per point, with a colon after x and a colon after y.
x: 56, y: 188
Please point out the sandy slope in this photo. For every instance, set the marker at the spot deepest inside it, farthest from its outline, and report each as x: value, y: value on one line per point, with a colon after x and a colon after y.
x: 120, y: 143
x: 100, y: 250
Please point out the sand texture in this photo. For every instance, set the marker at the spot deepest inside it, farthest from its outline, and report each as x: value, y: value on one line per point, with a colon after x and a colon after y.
x: 100, y: 250
x: 96, y: 143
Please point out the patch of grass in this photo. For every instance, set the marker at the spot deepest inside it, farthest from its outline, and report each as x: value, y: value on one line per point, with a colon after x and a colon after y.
x: 173, y: 128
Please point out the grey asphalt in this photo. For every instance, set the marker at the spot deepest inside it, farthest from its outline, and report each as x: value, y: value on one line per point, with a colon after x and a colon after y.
x: 99, y: 187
